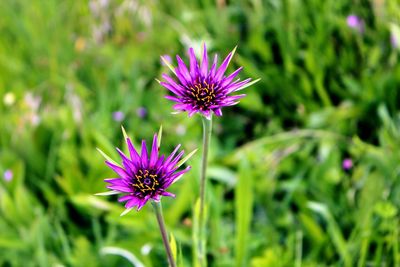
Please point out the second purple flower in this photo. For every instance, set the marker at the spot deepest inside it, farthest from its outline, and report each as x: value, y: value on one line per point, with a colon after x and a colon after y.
x: 204, y: 90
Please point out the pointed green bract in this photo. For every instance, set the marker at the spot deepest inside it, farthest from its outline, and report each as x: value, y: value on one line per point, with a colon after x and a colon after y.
x: 172, y: 243
x: 168, y: 64
x: 249, y: 84
x: 125, y: 212
x: 124, y: 132
x: 107, y: 157
x: 108, y: 193
x: 159, y: 136
x: 182, y: 161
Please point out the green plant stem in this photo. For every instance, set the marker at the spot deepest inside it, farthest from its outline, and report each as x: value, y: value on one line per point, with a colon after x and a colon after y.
x: 160, y: 219
x: 207, y: 129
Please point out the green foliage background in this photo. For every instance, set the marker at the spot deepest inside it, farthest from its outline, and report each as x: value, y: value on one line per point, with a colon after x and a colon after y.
x: 278, y: 193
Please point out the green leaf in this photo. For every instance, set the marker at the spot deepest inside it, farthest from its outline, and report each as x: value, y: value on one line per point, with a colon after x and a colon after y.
x: 108, y: 193
x: 124, y: 133
x: 126, y: 212
x: 159, y: 136
x: 172, y: 243
x: 168, y: 65
x: 182, y: 161
x: 107, y: 157
x: 243, y: 211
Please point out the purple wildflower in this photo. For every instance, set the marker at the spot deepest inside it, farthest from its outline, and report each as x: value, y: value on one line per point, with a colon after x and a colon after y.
x: 8, y: 175
x: 118, y: 116
x: 355, y: 22
x: 143, y: 177
x: 141, y: 112
x: 347, y: 164
x: 201, y: 89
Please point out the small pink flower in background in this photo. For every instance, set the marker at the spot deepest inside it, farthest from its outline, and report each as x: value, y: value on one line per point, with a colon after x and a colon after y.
x: 141, y: 112
x: 8, y: 175
x: 347, y: 164
x: 355, y: 22
x: 118, y: 116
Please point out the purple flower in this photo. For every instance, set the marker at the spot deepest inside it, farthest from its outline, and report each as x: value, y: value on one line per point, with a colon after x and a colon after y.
x: 355, y: 22
x: 143, y: 177
x: 347, y: 164
x: 8, y: 175
x: 141, y: 112
x: 201, y: 89
x: 118, y: 116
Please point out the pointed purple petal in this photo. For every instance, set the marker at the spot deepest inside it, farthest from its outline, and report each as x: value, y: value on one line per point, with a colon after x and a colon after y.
x: 154, y: 152
x: 132, y: 151
x: 172, y: 82
x: 213, y: 66
x: 168, y: 160
x: 204, y: 62
x: 134, y: 201
x: 172, y: 98
x: 128, y: 165
x: 144, y: 155
x: 221, y: 70
x: 120, y: 188
x: 183, y: 69
x: 167, y: 194
x: 125, y: 198
x: 142, y: 202
x: 176, y: 176
x: 118, y: 170
x: 194, y: 70
x: 218, y: 112
x: 229, y: 79
x: 236, y: 86
x: 171, y: 88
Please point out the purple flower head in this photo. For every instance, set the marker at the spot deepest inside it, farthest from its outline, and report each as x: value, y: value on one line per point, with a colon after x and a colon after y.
x: 347, y: 164
x: 200, y: 89
x: 141, y: 112
x: 8, y: 175
x: 145, y: 176
x: 118, y: 116
x: 355, y: 22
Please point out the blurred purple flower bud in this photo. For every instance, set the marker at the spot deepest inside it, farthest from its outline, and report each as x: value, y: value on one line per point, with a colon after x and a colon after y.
x: 347, y: 164
x: 355, y: 22
x: 141, y: 112
x: 118, y: 116
x: 8, y: 175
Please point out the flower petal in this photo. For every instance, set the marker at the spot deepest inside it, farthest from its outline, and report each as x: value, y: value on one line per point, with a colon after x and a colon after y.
x: 204, y: 62
x: 132, y: 151
x: 154, y: 152
x: 194, y: 68
x: 221, y: 70
x: 118, y: 170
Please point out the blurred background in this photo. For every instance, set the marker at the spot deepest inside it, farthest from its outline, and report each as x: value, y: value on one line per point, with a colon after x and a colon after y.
x: 303, y: 172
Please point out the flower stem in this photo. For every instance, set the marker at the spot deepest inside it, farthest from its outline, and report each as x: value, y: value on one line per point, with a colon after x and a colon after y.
x: 160, y: 219
x: 207, y: 129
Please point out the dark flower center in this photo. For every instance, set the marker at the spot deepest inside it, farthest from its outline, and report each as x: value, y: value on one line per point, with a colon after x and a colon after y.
x: 146, y: 182
x: 202, y: 95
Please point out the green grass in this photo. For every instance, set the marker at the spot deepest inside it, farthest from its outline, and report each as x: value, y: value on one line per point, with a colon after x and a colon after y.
x: 278, y: 194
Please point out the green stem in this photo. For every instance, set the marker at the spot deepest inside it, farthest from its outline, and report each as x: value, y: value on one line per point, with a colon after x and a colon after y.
x: 160, y: 219
x: 207, y: 128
